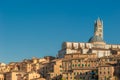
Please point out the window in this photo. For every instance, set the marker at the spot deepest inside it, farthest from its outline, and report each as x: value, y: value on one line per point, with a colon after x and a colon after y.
x: 78, y: 65
x: 88, y: 65
x: 74, y: 78
x: 60, y: 66
x: 80, y: 73
x: 82, y: 65
x: 73, y: 65
x: 74, y: 73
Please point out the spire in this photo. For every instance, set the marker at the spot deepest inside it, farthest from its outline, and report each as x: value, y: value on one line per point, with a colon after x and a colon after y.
x: 98, y: 20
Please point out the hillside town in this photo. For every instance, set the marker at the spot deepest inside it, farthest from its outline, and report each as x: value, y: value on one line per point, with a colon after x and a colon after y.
x: 93, y: 60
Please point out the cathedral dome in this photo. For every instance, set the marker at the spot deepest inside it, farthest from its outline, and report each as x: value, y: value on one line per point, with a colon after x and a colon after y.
x: 96, y: 39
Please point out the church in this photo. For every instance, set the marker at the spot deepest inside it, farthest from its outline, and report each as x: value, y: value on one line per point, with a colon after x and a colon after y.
x: 95, y: 45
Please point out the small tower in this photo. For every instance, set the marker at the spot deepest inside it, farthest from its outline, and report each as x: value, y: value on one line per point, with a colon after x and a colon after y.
x: 98, y: 28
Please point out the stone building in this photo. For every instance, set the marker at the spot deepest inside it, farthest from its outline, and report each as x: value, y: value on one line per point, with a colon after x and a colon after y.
x: 2, y: 77
x: 55, y: 72
x: 79, y: 66
x: 2, y: 67
x: 14, y: 75
x: 88, y: 67
x: 106, y: 72
x: 31, y: 76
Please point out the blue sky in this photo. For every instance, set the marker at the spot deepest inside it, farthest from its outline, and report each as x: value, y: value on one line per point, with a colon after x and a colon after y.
x: 37, y: 28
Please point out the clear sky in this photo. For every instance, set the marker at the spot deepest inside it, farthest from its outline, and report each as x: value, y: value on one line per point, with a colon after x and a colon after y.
x: 37, y: 28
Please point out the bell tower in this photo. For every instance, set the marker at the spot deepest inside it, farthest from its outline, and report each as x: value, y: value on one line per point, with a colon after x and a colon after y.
x: 98, y: 28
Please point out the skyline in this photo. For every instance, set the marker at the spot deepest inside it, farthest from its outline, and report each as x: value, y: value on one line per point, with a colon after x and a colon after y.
x: 38, y: 28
